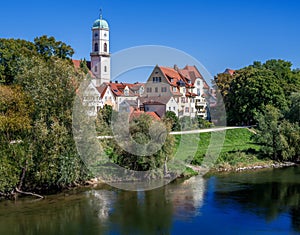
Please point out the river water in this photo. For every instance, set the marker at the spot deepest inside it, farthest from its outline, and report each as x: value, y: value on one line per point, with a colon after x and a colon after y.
x: 260, y: 202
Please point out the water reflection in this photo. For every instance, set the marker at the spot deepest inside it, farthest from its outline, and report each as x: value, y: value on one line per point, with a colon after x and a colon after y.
x: 150, y: 212
x: 237, y: 203
x: 268, y: 194
x: 105, y: 210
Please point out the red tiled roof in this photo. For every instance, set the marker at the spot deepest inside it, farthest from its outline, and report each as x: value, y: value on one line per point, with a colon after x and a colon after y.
x: 171, y: 74
x: 136, y: 114
x: 230, y: 71
x: 102, y: 89
x: 190, y: 72
x: 118, y: 88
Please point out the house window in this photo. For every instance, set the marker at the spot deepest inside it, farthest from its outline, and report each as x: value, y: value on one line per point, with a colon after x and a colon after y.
x: 174, y: 108
x: 174, y: 89
x: 149, y: 89
x: 198, y: 92
x: 105, y: 69
x: 105, y: 47
x: 96, y: 47
x: 163, y: 89
x: 187, y: 109
x: 156, y: 79
x: 156, y: 89
x: 170, y: 109
x: 182, y: 100
x: 198, y: 83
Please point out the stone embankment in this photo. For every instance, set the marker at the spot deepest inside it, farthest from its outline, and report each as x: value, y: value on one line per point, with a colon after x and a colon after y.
x: 255, y: 167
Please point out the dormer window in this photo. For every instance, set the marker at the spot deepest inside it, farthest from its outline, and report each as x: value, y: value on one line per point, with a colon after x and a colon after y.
x: 126, y: 92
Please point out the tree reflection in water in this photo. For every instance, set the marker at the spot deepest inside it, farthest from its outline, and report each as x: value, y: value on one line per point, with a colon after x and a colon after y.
x: 149, y: 212
x: 105, y: 210
x: 269, y: 194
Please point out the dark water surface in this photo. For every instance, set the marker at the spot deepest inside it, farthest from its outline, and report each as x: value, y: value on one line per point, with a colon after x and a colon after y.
x: 261, y: 202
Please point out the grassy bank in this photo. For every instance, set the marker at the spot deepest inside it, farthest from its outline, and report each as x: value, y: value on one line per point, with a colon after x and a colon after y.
x: 237, y: 152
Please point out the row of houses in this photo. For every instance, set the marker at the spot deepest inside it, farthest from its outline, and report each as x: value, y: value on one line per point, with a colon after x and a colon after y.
x: 182, y: 91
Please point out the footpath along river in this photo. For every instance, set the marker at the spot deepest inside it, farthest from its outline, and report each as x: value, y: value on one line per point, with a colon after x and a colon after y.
x: 256, y: 202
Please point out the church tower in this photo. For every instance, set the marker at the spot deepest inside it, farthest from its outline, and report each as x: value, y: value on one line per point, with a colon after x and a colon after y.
x: 100, y: 56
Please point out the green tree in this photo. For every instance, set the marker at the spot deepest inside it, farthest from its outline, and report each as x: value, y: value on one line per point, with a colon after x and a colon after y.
x: 294, y: 112
x: 172, y: 119
x: 250, y: 91
x: 48, y: 47
x: 83, y: 66
x: 147, y: 135
x: 12, y: 52
x: 268, y: 132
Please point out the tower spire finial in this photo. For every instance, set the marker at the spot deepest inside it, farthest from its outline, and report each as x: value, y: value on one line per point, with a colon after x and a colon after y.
x: 100, y: 13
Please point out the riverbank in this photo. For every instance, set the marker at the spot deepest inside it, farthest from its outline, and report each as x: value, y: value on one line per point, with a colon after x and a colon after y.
x: 238, y: 153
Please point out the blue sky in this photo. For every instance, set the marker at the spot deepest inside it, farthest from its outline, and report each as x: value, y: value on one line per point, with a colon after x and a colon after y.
x: 220, y: 34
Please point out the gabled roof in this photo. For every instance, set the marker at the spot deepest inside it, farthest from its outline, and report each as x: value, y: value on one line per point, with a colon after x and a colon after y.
x: 171, y: 74
x: 131, y: 103
x: 192, y: 73
x: 118, y: 88
x: 136, y: 114
x: 102, y: 89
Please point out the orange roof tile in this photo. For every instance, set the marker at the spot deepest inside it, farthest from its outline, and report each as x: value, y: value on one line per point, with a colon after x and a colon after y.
x: 171, y: 74
x: 230, y: 71
x: 137, y: 113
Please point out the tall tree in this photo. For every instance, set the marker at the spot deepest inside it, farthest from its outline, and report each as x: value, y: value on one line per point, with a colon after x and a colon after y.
x: 48, y: 47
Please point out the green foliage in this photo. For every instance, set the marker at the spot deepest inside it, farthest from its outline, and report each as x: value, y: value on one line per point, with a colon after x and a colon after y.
x: 36, y: 108
x: 188, y: 123
x: 250, y: 89
x: 84, y: 67
x: 15, y: 112
x: 171, y: 119
x: 294, y: 112
x: 147, y: 135
x: 12, y: 52
x: 49, y: 47
x: 279, y: 138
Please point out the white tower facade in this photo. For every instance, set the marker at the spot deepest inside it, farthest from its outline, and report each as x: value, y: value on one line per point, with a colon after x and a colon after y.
x: 100, y: 55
